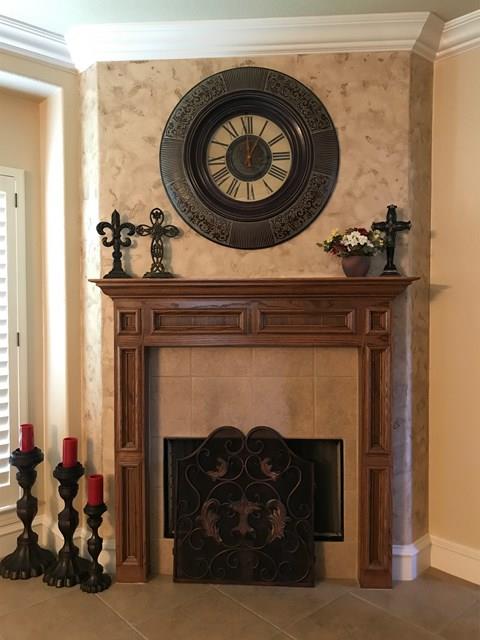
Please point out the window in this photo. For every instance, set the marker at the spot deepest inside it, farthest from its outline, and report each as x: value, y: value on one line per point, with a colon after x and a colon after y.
x: 12, y: 325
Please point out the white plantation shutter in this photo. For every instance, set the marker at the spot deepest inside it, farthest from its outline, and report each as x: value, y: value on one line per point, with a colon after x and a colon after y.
x: 11, y: 288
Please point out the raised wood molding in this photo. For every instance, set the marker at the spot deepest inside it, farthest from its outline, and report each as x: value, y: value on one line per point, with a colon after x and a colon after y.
x: 343, y: 312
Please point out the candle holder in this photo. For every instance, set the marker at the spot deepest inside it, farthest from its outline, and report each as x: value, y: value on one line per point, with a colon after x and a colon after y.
x: 97, y: 580
x: 28, y: 560
x: 69, y: 569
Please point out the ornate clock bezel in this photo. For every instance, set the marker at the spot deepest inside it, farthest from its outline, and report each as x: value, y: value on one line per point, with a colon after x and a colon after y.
x: 315, y: 157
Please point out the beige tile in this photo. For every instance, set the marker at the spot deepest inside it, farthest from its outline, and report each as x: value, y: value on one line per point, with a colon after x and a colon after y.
x: 337, y: 560
x: 349, y: 618
x: 429, y: 601
x: 336, y: 407
x: 156, y: 461
x: 19, y: 594
x: 71, y: 614
x: 465, y: 627
x: 137, y: 602
x: 171, y: 407
x: 156, y: 512
x: 350, y: 515
x: 218, y: 402
x: 286, y: 404
x: 212, y: 616
x: 336, y: 361
x: 350, y: 464
x: 166, y: 556
x: 170, y: 361
x: 282, y: 605
x: 222, y: 361
x: 283, y: 361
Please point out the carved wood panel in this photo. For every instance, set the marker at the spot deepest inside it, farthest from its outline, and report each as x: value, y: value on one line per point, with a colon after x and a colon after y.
x: 329, y: 311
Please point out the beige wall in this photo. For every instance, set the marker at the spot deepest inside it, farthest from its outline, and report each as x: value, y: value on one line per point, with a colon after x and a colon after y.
x: 54, y: 245
x: 455, y: 303
x: 20, y: 149
x: 381, y: 106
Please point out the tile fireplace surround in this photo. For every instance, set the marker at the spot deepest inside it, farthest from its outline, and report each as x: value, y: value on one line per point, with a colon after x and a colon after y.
x: 307, y: 313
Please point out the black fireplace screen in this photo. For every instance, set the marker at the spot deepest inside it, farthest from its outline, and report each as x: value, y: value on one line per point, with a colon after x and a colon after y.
x: 244, y: 511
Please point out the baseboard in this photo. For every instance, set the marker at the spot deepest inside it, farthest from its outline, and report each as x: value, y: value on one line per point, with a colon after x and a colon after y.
x: 410, y: 560
x: 456, y: 559
x: 50, y: 537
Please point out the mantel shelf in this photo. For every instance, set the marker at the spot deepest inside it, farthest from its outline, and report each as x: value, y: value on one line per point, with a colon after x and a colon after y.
x: 134, y: 288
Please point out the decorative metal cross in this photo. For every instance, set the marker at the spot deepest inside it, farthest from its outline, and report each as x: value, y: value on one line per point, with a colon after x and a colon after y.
x: 116, y: 242
x: 157, y: 231
x: 390, y: 228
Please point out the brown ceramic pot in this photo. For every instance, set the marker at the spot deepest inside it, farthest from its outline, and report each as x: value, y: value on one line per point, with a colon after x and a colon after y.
x: 356, y: 266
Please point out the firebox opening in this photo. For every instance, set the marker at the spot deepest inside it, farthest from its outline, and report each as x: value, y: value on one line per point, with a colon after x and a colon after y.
x: 327, y: 456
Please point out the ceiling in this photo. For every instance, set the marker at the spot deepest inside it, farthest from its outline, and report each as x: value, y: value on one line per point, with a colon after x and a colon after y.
x: 58, y: 16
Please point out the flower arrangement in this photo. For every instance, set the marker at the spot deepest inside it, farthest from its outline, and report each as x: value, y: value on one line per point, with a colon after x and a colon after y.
x: 354, y: 241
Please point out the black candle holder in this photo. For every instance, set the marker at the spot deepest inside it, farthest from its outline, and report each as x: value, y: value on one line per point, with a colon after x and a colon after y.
x: 97, y: 580
x: 28, y: 560
x: 69, y: 569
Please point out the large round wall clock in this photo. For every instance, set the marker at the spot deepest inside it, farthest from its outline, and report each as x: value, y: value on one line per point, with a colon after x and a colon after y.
x: 249, y: 157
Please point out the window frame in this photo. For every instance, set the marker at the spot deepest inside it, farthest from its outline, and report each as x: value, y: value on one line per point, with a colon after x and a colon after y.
x: 20, y: 350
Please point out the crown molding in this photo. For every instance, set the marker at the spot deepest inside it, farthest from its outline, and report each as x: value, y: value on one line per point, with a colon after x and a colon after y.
x: 421, y: 32
x: 35, y: 43
x: 459, y: 35
x: 411, y: 31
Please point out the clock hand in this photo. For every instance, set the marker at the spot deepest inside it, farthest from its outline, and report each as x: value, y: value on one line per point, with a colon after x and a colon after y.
x: 248, y: 155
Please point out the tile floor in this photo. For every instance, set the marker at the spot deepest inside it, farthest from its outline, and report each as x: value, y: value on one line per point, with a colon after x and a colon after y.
x: 435, y: 606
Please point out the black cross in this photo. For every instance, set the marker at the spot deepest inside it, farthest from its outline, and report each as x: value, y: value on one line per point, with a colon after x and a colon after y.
x: 390, y: 228
x: 116, y: 242
x: 157, y: 231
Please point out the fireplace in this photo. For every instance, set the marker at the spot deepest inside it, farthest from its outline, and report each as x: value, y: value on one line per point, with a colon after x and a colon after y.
x: 328, y: 498
x: 330, y: 312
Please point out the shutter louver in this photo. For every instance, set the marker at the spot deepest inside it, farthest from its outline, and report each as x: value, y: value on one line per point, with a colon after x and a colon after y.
x: 5, y: 431
x: 9, y: 353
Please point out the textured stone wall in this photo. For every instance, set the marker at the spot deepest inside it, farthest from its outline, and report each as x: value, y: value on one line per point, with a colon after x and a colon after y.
x: 381, y: 106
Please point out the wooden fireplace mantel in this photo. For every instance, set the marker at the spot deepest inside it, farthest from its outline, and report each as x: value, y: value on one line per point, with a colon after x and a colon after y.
x: 343, y: 312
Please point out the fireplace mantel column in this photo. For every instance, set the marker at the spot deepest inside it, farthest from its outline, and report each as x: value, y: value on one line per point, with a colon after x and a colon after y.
x: 340, y: 312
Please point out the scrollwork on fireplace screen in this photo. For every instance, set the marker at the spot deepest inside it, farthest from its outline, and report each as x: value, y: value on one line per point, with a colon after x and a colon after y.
x: 244, y: 511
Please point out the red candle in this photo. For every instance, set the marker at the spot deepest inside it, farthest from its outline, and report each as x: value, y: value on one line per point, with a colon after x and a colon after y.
x: 70, y: 446
x: 26, y: 438
x: 95, y: 489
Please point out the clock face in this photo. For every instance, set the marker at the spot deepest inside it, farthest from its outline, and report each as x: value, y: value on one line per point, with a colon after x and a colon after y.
x: 249, y: 157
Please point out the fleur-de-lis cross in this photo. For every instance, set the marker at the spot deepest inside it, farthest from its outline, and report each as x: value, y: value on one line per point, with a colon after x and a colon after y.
x: 157, y: 231
x: 116, y: 242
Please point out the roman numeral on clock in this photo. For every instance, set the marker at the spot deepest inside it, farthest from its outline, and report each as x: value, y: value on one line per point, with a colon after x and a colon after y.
x: 277, y: 172
x: 247, y: 124
x: 250, y: 191
x: 230, y: 129
x: 276, y: 139
x: 267, y: 186
x: 221, y: 175
x: 217, y: 161
x: 281, y: 155
x: 233, y: 188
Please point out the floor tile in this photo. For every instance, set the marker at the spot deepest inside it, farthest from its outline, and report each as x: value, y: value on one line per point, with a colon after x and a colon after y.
x: 430, y: 601
x: 136, y: 602
x: 465, y: 627
x: 19, y: 594
x: 74, y: 615
x: 349, y: 618
x: 210, y: 617
x: 283, y: 605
